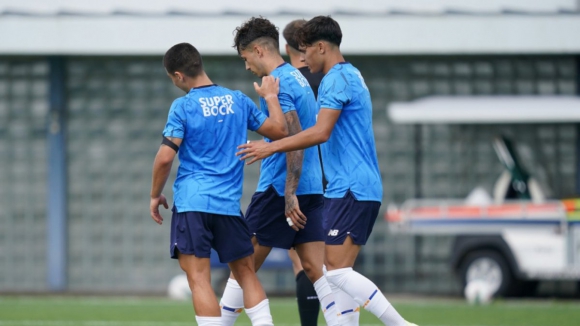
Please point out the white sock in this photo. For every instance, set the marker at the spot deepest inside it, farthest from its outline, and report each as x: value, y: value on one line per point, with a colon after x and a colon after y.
x: 208, y: 321
x: 366, y: 294
x: 327, y: 302
x: 232, y: 302
x: 392, y: 317
x: 348, y: 308
x: 260, y: 314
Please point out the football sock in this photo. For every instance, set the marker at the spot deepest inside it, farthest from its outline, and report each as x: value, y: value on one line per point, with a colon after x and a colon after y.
x: 232, y: 302
x: 308, y: 304
x: 392, y: 317
x: 208, y: 321
x: 260, y: 314
x: 348, y: 309
x: 327, y: 302
x: 366, y: 294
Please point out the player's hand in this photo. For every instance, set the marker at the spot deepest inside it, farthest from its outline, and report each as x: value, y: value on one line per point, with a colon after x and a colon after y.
x: 255, y: 151
x: 270, y: 86
x: 154, y: 208
x: 296, y: 220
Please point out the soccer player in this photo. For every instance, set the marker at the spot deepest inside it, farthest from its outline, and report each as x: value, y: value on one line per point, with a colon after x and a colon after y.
x: 354, y: 191
x: 308, y: 304
x: 205, y: 126
x: 286, y: 210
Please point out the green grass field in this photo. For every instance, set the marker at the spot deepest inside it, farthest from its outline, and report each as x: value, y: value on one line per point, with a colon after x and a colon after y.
x: 135, y: 311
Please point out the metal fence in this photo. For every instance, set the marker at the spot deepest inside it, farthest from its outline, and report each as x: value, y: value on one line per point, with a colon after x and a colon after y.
x: 116, y: 109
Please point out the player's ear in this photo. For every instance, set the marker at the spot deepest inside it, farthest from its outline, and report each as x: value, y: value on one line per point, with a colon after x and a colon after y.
x: 258, y: 50
x: 321, y: 47
x: 287, y: 47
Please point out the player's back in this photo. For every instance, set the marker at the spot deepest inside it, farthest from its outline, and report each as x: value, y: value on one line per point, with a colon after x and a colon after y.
x: 295, y: 94
x: 349, y: 155
x: 215, y: 121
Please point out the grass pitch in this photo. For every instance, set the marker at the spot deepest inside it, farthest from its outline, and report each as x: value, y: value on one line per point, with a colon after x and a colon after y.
x: 136, y: 311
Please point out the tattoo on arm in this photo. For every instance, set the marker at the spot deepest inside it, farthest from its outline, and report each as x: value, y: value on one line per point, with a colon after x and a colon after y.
x: 293, y: 159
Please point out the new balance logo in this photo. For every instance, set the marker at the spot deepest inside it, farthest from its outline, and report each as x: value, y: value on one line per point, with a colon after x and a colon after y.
x: 333, y: 233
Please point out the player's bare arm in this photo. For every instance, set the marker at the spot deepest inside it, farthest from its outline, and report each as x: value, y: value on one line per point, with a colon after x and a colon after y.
x: 161, y: 168
x: 275, y: 126
x: 293, y: 171
x: 315, y: 135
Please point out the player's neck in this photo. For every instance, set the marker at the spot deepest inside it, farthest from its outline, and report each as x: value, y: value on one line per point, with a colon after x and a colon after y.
x: 332, y: 59
x: 201, y: 80
x: 273, y: 62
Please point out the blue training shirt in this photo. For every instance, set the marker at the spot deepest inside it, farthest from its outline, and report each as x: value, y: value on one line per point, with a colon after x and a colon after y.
x: 349, y: 155
x: 295, y: 95
x: 212, y: 121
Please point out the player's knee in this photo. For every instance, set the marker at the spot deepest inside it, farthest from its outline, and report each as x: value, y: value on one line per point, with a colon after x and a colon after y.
x: 242, y: 269
x: 313, y: 271
x: 337, y: 277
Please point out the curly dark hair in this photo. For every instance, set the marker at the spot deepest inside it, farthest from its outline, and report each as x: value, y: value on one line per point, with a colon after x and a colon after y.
x: 290, y: 31
x: 319, y: 28
x: 256, y: 29
x: 185, y: 58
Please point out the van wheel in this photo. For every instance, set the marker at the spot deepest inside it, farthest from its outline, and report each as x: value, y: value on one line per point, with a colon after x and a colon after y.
x: 489, y: 266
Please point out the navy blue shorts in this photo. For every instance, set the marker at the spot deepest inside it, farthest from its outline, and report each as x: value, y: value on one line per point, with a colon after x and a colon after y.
x: 196, y: 233
x: 267, y: 220
x: 349, y: 217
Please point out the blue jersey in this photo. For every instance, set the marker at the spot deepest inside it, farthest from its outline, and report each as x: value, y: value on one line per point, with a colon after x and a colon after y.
x: 349, y: 155
x: 212, y: 121
x: 295, y: 95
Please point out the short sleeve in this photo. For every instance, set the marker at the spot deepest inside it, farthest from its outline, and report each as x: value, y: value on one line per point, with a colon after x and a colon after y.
x: 255, y: 117
x: 176, y: 120
x: 334, y: 92
x: 285, y: 99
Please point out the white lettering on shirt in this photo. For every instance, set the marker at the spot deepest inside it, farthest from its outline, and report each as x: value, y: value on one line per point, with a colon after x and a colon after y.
x: 216, y: 105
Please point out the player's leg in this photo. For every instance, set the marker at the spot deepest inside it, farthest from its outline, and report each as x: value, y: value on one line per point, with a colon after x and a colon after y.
x: 232, y: 301
x: 190, y: 246
x: 339, y: 261
x: 306, y: 297
x: 348, y: 308
x: 296, y: 265
x: 232, y: 241
x: 254, y: 297
x: 316, y: 232
x: 265, y: 220
x: 309, y: 244
x: 350, y: 223
x: 199, y: 279
x: 312, y: 256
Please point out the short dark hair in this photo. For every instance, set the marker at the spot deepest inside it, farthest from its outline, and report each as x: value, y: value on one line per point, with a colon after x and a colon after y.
x: 185, y: 58
x: 260, y: 29
x: 319, y: 28
x: 290, y: 31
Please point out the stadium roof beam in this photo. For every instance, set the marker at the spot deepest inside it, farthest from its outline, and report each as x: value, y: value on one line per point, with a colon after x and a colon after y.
x: 384, y: 34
